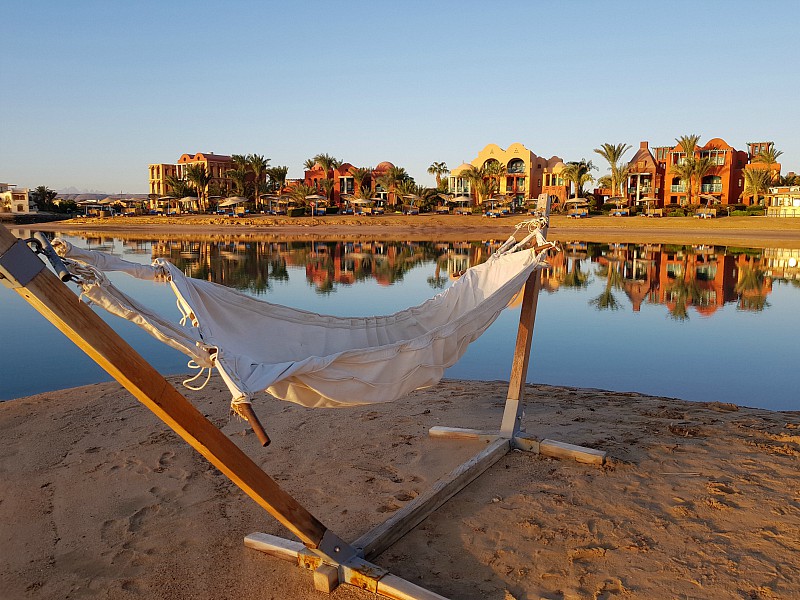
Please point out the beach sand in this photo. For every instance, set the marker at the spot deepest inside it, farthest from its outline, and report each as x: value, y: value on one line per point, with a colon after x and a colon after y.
x: 732, y: 231
x: 99, y: 499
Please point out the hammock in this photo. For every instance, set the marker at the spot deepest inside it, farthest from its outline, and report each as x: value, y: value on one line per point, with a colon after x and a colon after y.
x: 307, y: 358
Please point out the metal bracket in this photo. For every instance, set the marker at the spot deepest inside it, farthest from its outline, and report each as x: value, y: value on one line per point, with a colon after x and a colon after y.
x: 335, y: 548
x: 19, y: 265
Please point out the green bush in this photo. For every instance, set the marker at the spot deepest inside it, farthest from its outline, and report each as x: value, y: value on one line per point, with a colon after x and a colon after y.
x: 676, y: 213
x: 739, y: 213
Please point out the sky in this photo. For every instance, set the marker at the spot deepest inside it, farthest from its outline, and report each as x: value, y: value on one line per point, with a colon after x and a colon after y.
x: 94, y: 91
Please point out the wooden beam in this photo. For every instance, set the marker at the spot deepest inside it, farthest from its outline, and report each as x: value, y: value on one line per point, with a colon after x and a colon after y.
x: 91, y: 334
x: 459, y: 433
x: 578, y: 453
x: 375, y: 541
x: 512, y: 414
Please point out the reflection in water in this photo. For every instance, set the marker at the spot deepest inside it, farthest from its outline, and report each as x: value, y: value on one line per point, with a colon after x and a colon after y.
x: 699, y: 278
x: 252, y: 265
x: 682, y: 278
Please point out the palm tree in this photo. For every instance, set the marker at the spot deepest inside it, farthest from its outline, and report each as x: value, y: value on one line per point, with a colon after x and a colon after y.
x: 238, y: 176
x: 769, y: 156
x: 309, y: 164
x: 494, y: 170
x: 391, y: 179
x: 328, y: 164
x: 606, y: 181
x: 360, y: 174
x: 684, y: 171
x: 299, y: 192
x: 177, y: 187
x: 613, y: 154
x: 43, y: 196
x: 475, y: 176
x: 438, y: 169
x: 579, y: 173
x: 258, y: 165
x: 198, y: 175
x: 688, y: 144
x: 756, y: 183
x: 277, y: 178
x: 701, y: 167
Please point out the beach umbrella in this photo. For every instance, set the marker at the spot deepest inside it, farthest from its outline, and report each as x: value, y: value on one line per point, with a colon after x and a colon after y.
x: 233, y: 201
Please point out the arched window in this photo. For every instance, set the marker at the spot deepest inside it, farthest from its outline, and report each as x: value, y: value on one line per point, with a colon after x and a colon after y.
x: 516, y: 165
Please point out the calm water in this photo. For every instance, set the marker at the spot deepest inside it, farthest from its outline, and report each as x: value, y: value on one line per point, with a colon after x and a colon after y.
x: 695, y: 322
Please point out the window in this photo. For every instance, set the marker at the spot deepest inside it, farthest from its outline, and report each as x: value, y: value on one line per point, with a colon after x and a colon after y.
x: 516, y: 165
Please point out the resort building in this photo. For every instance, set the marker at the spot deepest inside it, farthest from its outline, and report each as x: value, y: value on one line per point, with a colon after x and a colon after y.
x: 345, y: 184
x: 15, y: 201
x: 216, y: 166
x: 653, y: 178
x: 783, y: 201
x: 518, y: 174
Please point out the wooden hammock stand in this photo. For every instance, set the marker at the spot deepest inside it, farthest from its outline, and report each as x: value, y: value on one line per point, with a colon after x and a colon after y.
x: 332, y: 560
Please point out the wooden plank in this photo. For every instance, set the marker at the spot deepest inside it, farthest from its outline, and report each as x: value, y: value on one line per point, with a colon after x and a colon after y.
x: 391, y: 586
x: 526, y: 442
x: 380, y: 538
x: 92, y: 335
x: 458, y: 433
x: 274, y: 546
x: 578, y: 453
x: 512, y: 413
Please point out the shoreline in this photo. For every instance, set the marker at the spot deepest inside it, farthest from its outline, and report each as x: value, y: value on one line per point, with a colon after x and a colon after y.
x: 752, y: 231
x: 697, y: 500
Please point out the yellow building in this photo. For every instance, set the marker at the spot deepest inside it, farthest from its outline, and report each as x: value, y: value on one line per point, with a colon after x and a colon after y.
x: 15, y: 201
x: 216, y: 166
x: 519, y: 175
x: 783, y: 201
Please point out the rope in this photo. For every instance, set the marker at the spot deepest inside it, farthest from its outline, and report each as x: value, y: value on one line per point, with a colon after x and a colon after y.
x: 193, y: 365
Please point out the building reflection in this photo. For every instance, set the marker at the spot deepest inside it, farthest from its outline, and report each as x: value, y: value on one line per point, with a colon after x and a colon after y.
x: 684, y: 279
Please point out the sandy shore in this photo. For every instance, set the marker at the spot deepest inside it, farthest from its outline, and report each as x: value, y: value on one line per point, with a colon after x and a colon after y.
x: 753, y: 231
x: 101, y: 500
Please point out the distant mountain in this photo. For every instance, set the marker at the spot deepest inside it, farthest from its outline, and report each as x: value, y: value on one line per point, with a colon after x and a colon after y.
x: 72, y: 190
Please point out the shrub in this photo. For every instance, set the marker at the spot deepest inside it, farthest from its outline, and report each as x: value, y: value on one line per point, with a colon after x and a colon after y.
x: 739, y: 213
x: 678, y: 212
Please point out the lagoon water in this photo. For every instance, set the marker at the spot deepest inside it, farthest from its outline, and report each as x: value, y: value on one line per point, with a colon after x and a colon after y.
x: 701, y: 323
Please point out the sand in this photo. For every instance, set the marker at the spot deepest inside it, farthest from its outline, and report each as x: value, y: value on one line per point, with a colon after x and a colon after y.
x: 101, y: 500
x: 727, y: 231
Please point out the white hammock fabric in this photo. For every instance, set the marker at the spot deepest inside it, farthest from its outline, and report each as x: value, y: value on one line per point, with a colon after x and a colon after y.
x: 307, y: 358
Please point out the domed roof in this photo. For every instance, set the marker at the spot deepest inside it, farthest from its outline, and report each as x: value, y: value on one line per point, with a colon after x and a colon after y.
x: 460, y: 168
x: 384, y: 166
x: 558, y: 167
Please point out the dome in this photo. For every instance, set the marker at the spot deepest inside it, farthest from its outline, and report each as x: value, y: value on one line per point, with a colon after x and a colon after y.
x: 384, y: 166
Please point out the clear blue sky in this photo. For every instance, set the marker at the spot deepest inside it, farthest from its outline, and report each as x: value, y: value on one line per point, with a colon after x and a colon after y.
x: 94, y: 91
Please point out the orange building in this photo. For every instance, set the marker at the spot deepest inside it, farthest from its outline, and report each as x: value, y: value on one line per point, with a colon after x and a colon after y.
x: 722, y: 184
x: 345, y: 183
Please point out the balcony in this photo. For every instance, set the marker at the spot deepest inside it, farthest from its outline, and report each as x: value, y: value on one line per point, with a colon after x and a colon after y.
x: 711, y: 188
x: 680, y: 189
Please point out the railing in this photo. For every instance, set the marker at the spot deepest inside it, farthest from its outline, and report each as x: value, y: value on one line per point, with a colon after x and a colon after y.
x: 678, y: 188
x: 711, y: 187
